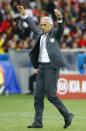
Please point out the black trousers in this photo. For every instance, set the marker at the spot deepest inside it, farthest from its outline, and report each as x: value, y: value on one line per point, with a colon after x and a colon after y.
x: 32, y: 79
x: 46, y: 85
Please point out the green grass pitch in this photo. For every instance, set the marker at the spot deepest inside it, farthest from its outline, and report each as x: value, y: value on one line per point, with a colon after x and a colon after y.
x: 17, y: 111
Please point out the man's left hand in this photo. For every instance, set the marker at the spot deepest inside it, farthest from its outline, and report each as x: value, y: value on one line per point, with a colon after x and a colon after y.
x: 58, y: 14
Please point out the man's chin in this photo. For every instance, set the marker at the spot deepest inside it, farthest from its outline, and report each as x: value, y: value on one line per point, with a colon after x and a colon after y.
x: 45, y: 31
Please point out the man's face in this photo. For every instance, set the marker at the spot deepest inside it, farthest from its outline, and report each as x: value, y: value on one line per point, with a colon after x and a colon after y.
x: 45, y: 25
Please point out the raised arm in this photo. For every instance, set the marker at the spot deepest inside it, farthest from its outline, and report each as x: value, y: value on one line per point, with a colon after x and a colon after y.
x: 29, y: 21
x: 59, y: 30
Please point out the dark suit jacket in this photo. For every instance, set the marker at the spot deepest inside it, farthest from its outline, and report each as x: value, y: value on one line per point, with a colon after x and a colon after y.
x: 53, y: 42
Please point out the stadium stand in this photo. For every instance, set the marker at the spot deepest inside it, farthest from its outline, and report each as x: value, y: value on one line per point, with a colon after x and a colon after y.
x: 15, y: 34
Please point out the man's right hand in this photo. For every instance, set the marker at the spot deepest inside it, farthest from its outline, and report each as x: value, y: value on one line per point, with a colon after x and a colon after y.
x: 21, y: 10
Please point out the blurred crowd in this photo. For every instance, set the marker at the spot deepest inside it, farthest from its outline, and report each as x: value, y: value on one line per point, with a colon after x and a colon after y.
x: 15, y: 33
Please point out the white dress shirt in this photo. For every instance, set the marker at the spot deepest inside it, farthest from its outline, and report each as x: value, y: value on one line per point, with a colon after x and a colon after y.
x: 43, y: 55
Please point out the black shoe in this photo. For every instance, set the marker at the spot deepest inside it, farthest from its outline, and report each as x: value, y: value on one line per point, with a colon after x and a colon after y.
x: 68, y: 121
x: 35, y: 126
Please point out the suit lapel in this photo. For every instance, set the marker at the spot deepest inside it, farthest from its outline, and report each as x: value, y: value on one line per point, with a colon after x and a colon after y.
x: 50, y: 35
x: 47, y: 38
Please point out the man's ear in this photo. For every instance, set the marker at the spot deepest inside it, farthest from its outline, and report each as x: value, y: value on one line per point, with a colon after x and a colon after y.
x: 51, y: 25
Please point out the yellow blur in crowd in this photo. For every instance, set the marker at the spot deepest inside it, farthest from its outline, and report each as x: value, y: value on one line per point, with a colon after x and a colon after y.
x: 1, y: 76
x: 1, y: 46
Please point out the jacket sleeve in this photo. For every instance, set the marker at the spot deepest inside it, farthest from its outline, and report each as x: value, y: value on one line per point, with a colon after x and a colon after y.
x: 58, y: 32
x: 34, y: 28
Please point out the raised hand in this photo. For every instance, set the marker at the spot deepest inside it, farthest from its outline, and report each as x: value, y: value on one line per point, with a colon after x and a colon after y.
x: 58, y: 14
x: 21, y: 10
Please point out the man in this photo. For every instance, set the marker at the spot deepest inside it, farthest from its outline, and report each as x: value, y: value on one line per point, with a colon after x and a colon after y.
x: 47, y: 57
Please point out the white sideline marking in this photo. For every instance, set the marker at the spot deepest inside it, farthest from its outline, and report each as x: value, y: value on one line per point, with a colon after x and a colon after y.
x: 30, y: 115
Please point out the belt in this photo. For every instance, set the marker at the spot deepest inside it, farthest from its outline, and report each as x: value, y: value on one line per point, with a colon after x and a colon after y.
x: 43, y: 63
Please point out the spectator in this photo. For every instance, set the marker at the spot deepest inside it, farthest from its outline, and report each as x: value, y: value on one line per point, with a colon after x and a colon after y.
x: 82, y: 42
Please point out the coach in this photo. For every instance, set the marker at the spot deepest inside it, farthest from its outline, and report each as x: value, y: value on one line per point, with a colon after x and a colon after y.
x: 48, y: 59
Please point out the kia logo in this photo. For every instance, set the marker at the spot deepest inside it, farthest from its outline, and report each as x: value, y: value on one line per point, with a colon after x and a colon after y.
x: 62, y: 86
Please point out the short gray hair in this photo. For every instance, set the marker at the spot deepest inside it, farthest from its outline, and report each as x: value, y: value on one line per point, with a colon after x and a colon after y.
x: 49, y: 19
